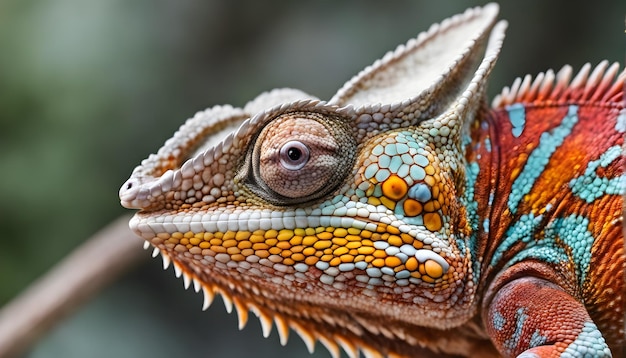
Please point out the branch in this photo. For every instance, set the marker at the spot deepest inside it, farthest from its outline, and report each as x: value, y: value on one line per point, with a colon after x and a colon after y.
x: 88, y: 269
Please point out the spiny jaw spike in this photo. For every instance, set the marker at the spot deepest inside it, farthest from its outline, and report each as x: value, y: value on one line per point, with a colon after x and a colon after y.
x: 348, y: 347
x: 146, y: 245
x: 186, y: 280
x: 332, y: 347
x: 370, y: 353
x: 228, y: 303
x: 306, y: 336
x: 208, y: 297
x: 196, y: 285
x: 166, y: 261
x: 155, y: 252
x: 242, y: 314
x: 177, y: 270
x: 283, y: 330
x: 266, y: 324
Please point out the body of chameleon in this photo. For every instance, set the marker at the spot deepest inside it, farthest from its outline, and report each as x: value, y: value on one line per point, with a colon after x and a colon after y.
x: 404, y: 217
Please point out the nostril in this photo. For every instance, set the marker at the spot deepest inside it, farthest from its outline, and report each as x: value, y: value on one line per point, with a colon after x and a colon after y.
x: 129, y: 187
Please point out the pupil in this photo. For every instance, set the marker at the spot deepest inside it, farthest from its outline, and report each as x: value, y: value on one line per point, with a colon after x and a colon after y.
x: 294, y: 153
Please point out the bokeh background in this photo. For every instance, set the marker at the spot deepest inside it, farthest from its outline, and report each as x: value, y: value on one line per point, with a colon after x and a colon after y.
x: 88, y: 88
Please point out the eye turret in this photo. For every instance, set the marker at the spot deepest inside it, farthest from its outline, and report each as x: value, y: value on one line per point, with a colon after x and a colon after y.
x: 298, y: 157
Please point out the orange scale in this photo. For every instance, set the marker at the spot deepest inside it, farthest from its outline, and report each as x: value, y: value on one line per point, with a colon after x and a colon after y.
x: 429, y: 207
x: 432, y: 221
x: 433, y: 269
x: 392, y: 261
x: 218, y: 249
x: 391, y: 205
x: 311, y: 260
x: 327, y: 258
x: 237, y: 257
x: 435, y: 191
x: 412, y: 207
x: 378, y: 262
x: 297, y: 257
x: 394, y: 188
x: 411, y: 264
x: 406, y: 238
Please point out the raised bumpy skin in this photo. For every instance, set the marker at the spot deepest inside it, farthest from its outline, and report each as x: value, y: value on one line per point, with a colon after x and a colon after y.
x: 403, y: 217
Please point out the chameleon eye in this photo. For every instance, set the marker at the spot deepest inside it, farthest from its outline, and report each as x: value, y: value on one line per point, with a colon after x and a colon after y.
x: 298, y: 157
x: 294, y: 155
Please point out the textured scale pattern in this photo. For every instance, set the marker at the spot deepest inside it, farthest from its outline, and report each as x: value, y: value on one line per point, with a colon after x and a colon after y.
x: 404, y: 217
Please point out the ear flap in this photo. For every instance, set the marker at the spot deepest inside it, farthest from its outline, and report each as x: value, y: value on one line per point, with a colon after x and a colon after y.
x: 442, y: 69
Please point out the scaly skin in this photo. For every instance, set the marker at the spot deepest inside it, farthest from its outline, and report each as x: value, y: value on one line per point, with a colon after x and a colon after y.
x: 402, y: 217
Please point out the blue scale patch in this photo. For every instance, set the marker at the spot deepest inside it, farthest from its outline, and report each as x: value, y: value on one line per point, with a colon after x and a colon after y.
x: 572, y: 231
x: 471, y: 206
x: 384, y: 161
x: 540, y: 157
x: 395, y: 164
x: 371, y: 170
x: 517, y: 116
x: 378, y: 150
x: 488, y: 144
x: 390, y: 149
x: 590, y: 186
x: 420, y: 192
x: 498, y: 321
x: 520, y: 318
x: 521, y: 231
x: 589, y: 343
x: 417, y: 173
x: 564, y: 239
x: 537, y: 339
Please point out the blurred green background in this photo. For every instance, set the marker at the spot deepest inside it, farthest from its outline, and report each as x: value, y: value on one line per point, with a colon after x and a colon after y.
x: 88, y: 88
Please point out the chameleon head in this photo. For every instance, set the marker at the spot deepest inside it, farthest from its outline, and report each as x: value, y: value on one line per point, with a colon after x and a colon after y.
x: 330, y: 217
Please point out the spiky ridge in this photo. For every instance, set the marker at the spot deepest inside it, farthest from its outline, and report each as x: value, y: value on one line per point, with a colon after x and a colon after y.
x: 334, y: 343
x: 598, y: 85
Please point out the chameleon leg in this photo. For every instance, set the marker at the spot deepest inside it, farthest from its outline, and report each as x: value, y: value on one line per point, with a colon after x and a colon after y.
x: 532, y: 317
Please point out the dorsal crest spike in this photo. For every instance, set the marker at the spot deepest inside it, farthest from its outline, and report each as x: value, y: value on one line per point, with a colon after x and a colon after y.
x: 600, y: 84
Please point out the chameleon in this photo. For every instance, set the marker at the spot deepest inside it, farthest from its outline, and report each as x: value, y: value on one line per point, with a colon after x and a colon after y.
x: 405, y: 217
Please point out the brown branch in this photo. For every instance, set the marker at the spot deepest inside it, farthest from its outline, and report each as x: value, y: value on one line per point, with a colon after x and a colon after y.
x: 83, y: 273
